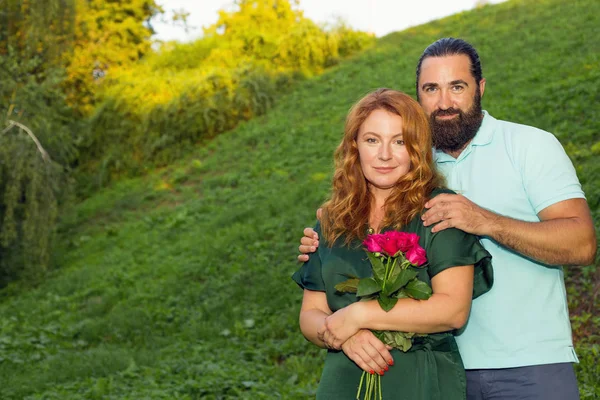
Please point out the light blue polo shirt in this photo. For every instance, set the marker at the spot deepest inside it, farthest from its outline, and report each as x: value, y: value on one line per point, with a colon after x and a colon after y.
x: 516, y: 171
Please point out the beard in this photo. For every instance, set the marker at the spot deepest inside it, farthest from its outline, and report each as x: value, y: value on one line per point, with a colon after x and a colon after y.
x: 453, y: 135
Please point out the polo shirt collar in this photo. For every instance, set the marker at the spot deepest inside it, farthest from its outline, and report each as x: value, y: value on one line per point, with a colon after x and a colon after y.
x: 483, y: 137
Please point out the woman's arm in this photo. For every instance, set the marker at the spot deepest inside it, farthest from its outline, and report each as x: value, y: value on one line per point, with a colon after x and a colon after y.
x: 368, y: 352
x: 447, y: 309
x: 313, y: 313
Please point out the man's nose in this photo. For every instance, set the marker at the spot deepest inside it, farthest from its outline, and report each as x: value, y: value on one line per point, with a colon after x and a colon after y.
x: 444, y: 100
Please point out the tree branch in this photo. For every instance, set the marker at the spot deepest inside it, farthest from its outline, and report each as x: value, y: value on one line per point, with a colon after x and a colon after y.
x: 12, y: 124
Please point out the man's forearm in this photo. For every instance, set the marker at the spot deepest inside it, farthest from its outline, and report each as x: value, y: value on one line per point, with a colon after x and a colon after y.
x: 563, y: 241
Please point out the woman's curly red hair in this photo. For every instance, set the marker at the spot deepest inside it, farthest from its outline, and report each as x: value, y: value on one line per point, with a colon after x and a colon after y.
x: 346, y: 213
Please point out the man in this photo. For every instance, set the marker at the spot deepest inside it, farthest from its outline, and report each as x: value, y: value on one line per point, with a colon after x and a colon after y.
x: 519, y: 192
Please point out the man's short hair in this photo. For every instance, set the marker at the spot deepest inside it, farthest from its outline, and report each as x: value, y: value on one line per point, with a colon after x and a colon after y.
x: 451, y: 47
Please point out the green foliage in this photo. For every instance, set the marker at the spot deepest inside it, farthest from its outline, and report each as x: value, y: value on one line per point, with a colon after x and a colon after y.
x: 177, y: 285
x: 588, y: 371
x: 154, y: 112
x: 32, y: 182
x: 42, y: 29
x: 29, y: 208
x: 108, y: 35
x: 366, y: 287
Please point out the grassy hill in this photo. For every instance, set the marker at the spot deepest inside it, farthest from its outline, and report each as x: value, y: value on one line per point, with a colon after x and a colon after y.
x: 177, y: 285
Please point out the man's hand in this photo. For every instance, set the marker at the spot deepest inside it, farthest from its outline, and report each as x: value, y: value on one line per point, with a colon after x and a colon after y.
x: 368, y: 352
x: 308, y: 244
x: 338, y: 327
x: 310, y: 241
x: 456, y: 211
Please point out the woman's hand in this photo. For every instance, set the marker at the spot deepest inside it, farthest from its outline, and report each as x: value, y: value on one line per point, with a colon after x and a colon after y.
x: 368, y: 352
x: 339, y: 326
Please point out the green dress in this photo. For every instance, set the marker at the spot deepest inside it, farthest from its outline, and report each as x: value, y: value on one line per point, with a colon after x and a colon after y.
x: 432, y: 369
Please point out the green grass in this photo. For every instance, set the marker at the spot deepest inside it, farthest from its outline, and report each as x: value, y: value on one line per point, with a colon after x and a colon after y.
x: 177, y: 285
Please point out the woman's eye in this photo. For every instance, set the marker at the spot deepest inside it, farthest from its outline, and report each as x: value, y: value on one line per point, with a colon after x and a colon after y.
x: 371, y: 140
x: 400, y: 142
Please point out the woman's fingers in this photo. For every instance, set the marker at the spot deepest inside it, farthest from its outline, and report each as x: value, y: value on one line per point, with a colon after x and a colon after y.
x: 383, y: 351
x: 370, y: 366
x: 330, y: 340
x: 368, y: 352
x: 381, y: 358
x: 365, y: 362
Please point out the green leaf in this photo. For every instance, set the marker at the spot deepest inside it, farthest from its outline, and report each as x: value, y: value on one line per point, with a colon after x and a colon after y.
x: 349, y: 286
x: 386, y: 303
x: 401, y: 294
x: 367, y: 286
x: 402, y: 279
x: 418, y: 290
x: 396, y: 339
x: 402, y: 342
x: 377, y: 265
x: 387, y: 337
x: 369, y: 297
x: 397, y: 266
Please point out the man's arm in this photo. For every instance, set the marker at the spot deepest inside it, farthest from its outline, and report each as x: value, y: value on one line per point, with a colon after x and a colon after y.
x: 564, y: 235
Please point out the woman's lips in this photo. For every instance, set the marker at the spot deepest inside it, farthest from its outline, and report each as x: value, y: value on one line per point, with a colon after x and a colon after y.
x: 384, y: 170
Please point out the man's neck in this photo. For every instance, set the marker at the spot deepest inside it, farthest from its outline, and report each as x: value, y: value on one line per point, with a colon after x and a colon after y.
x: 458, y: 152
x: 455, y: 153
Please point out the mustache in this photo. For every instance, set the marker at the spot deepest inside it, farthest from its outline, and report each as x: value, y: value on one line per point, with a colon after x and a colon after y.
x: 447, y: 112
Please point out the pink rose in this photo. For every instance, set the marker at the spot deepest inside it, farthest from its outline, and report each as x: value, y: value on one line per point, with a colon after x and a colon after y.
x: 371, y: 244
x: 388, y: 243
x: 417, y: 256
x: 405, y: 241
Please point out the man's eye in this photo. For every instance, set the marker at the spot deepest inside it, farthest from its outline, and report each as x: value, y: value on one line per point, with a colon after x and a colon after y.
x: 457, y: 88
x: 430, y: 89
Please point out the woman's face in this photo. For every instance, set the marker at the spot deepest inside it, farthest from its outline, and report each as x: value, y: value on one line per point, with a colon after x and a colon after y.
x: 383, y: 156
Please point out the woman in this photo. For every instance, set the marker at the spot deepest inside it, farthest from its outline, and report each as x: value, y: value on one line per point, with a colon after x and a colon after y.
x: 383, y: 176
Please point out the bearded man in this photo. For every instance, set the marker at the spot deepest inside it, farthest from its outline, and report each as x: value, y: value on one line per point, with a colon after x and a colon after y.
x: 518, y: 191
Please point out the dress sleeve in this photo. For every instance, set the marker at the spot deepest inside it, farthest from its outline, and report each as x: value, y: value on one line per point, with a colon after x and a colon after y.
x: 453, y: 247
x: 309, y: 275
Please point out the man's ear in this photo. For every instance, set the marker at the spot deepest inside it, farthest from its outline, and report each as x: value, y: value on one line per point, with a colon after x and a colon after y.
x: 482, y: 86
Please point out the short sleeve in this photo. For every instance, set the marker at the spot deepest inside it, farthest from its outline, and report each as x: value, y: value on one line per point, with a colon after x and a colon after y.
x: 309, y: 275
x: 453, y: 247
x: 547, y: 172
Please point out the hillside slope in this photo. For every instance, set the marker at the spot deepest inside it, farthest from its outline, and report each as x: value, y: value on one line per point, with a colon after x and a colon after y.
x: 177, y: 285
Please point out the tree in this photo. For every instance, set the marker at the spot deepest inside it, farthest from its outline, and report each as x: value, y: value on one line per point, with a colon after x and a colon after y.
x: 29, y: 182
x: 36, y: 140
x: 108, y: 35
x: 42, y: 29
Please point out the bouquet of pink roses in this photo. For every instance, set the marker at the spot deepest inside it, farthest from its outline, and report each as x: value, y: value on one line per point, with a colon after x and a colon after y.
x: 394, y: 258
